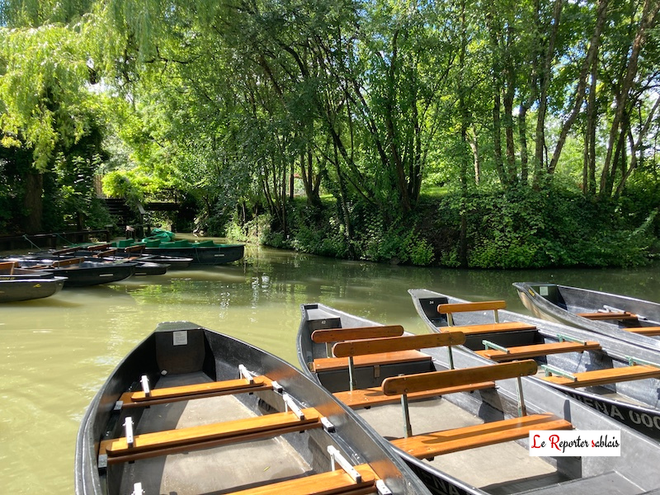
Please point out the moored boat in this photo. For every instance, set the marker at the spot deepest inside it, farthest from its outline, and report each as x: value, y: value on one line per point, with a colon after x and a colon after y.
x: 464, y: 430
x: 205, y: 252
x: 615, y: 377
x: 78, y: 271
x: 193, y: 411
x: 143, y: 266
x: 17, y: 284
x: 634, y: 320
x: 123, y: 249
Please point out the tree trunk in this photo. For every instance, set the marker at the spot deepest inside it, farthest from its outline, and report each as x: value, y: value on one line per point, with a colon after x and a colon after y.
x: 651, y: 8
x: 33, y: 202
x: 582, y: 84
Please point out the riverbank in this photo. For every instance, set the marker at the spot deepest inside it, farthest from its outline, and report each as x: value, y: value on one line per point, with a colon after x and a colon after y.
x: 497, y: 230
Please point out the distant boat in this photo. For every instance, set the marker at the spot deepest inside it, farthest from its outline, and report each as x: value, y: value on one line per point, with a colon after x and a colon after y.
x: 634, y: 320
x: 126, y: 250
x: 23, y: 285
x: 613, y: 376
x: 193, y: 411
x: 143, y: 265
x: 466, y: 430
x: 205, y: 252
x: 78, y: 271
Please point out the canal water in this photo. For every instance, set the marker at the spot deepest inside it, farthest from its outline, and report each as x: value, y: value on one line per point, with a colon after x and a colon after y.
x: 57, y: 352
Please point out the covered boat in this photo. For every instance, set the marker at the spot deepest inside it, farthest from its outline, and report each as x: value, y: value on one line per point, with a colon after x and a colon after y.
x: 193, y: 411
x: 615, y: 377
x: 465, y: 430
x: 633, y: 320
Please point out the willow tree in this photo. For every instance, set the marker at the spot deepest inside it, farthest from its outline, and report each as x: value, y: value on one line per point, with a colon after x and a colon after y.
x: 46, y: 106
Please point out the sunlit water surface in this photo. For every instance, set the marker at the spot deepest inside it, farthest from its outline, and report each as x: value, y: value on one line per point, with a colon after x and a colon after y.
x: 57, y: 352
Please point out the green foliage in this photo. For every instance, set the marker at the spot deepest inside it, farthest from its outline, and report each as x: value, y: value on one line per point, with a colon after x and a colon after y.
x: 553, y: 227
x: 120, y: 184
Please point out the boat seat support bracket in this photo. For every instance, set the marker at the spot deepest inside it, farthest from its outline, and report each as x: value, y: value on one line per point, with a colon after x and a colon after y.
x: 351, y: 374
x: 144, y: 381
x: 491, y: 345
x: 128, y: 426
x: 633, y: 361
x: 292, y: 406
x: 243, y: 372
x: 405, y: 409
x: 327, y: 425
x: 382, y: 488
x: 551, y: 370
x: 522, y: 409
x: 337, y: 458
x: 567, y: 338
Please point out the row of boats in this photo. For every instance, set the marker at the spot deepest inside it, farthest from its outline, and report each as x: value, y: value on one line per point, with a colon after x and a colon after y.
x: 375, y: 409
x: 44, y: 274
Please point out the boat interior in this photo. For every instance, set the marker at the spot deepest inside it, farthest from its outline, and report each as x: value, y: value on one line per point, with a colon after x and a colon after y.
x: 562, y: 359
x: 450, y: 418
x: 194, y: 424
x: 617, y: 313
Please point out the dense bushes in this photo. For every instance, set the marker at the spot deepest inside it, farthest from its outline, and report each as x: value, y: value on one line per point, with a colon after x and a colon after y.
x: 519, y: 228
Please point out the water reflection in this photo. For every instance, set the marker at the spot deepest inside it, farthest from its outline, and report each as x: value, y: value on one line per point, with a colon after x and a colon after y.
x: 58, y: 351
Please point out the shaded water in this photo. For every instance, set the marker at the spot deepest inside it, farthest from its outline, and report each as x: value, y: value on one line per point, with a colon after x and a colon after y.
x: 57, y: 352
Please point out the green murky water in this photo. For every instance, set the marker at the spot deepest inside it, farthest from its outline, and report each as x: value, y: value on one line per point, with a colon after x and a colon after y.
x: 57, y: 352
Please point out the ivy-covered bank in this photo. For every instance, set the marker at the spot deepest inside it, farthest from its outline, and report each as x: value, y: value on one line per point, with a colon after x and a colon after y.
x: 520, y: 228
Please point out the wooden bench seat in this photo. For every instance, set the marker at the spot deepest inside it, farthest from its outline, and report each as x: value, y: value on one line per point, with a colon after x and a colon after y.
x: 338, y: 363
x: 408, y: 384
x: 327, y: 335
x: 609, y: 315
x: 68, y: 262
x: 397, y: 344
x: 606, y: 376
x: 444, y: 442
x: 197, y: 437
x: 507, y: 326
x: 647, y: 331
x: 466, y: 307
x: 195, y: 391
x: 329, y: 483
x: 374, y: 396
x: 537, y: 350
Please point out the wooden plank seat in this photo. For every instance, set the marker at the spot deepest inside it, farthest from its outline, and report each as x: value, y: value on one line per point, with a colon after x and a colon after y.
x: 336, y: 363
x: 444, y: 442
x: 396, y: 344
x: 647, y: 331
x: 409, y: 384
x: 506, y: 326
x: 93, y: 247
x: 374, y: 396
x: 326, y: 335
x: 329, y: 483
x: 392, y: 350
x: 430, y: 445
x: 494, y: 306
x: 197, y: 437
x: 68, y: 262
x: 606, y: 376
x: 8, y: 266
x: 609, y: 315
x: 195, y: 391
x: 471, y: 306
x: 537, y: 350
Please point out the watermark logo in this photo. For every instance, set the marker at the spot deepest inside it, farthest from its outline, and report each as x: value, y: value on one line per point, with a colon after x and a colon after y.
x: 575, y: 443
